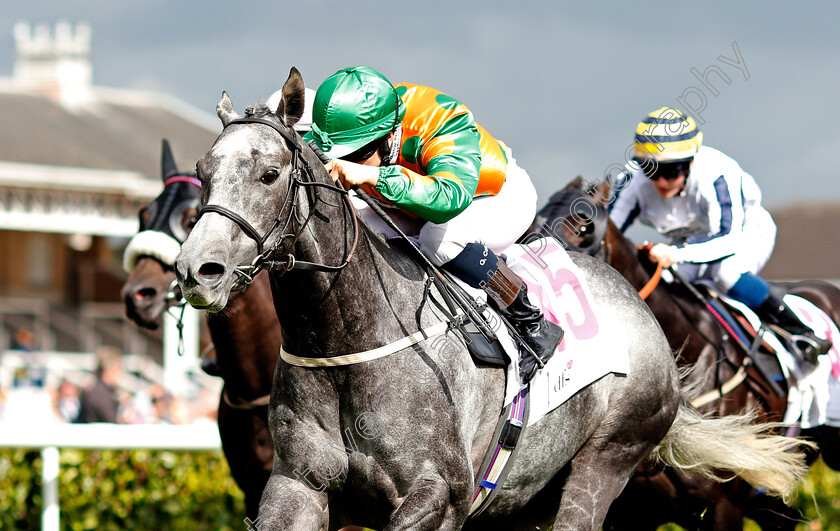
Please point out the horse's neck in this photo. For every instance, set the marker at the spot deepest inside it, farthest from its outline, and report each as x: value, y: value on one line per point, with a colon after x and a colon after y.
x: 247, y: 341
x: 358, y: 308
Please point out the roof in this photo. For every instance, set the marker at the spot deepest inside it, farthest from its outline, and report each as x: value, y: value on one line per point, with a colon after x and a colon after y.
x: 807, y: 243
x: 117, y: 131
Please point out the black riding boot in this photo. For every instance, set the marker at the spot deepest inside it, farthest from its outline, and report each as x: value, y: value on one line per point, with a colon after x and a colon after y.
x: 802, y: 342
x: 540, y: 337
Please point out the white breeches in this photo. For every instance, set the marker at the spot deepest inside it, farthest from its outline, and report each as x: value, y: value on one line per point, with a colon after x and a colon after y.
x: 496, y: 221
x: 757, y: 242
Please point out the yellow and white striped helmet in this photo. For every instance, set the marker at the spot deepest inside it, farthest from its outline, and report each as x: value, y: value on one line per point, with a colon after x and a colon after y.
x: 667, y: 135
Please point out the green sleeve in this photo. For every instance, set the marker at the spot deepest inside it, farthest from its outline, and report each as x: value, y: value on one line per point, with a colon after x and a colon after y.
x: 450, y: 163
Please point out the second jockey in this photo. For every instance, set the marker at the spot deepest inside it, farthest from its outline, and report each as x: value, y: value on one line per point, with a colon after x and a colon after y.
x: 710, y: 210
x: 447, y: 182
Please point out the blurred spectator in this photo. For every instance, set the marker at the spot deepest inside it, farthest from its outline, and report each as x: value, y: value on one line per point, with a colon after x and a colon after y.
x: 67, y: 402
x: 161, y: 401
x: 24, y: 339
x: 207, y: 406
x: 180, y: 411
x: 31, y: 373
x: 139, y: 408
x: 99, y: 403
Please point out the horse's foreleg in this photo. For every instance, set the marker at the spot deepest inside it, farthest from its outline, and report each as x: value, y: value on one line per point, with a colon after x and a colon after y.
x: 247, y: 446
x: 427, y: 507
x: 289, y: 504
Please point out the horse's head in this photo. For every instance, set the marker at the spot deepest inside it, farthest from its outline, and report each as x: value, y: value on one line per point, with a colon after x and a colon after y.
x: 575, y: 216
x: 150, y: 256
x: 249, y: 205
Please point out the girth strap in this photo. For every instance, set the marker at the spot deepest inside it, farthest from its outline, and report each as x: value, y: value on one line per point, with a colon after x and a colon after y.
x: 368, y: 355
x: 245, y: 404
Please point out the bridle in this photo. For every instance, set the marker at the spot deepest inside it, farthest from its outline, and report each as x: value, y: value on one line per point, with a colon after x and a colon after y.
x: 301, y: 177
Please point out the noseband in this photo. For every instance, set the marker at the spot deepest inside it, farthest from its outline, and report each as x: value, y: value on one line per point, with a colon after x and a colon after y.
x: 301, y: 177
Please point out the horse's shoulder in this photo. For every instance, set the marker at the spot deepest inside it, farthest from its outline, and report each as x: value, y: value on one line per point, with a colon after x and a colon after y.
x: 399, y: 255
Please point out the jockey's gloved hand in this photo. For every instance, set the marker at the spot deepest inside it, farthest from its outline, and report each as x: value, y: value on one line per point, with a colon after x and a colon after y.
x: 352, y: 174
x: 664, y: 254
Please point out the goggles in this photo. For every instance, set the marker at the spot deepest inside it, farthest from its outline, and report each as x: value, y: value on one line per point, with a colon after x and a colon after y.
x: 670, y: 171
x: 363, y: 153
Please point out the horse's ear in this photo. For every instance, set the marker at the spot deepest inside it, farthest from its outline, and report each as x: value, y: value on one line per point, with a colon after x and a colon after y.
x: 290, y: 108
x: 575, y: 184
x: 167, y: 161
x: 600, y: 192
x: 225, y: 110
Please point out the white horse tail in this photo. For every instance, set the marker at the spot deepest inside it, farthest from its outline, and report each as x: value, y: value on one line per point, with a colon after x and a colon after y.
x: 722, y: 448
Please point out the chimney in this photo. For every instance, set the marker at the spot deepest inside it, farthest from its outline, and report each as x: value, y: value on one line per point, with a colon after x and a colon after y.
x: 55, y: 65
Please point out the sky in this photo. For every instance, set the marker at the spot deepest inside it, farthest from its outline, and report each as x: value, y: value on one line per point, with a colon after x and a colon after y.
x: 564, y: 84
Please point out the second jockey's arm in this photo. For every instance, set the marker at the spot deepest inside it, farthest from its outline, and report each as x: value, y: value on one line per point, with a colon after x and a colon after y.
x: 664, y: 254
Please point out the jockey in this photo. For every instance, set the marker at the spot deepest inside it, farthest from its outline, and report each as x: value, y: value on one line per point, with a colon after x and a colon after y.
x: 443, y: 179
x: 710, y: 210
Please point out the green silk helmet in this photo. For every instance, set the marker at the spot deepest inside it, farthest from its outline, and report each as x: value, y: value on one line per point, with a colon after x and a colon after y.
x: 352, y: 108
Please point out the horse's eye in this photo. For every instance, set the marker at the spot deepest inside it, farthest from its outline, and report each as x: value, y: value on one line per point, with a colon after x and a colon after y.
x: 269, y: 177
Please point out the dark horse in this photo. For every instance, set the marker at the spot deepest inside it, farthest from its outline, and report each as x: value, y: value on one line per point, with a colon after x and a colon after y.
x: 396, y: 442
x: 246, y: 336
x: 578, y: 218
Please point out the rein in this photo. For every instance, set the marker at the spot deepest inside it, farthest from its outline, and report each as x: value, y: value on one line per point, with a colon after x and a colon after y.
x: 648, y: 288
x: 301, y: 177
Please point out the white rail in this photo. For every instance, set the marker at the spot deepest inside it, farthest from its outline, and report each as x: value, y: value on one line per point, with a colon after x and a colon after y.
x: 49, y: 438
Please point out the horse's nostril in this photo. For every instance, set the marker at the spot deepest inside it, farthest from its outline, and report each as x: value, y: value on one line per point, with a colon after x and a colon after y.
x: 145, y: 294
x: 211, y: 270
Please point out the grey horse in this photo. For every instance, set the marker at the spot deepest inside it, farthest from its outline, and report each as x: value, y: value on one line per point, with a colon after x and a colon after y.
x: 396, y: 443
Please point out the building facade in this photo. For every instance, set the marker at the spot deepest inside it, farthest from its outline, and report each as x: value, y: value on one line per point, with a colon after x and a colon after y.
x: 77, y: 162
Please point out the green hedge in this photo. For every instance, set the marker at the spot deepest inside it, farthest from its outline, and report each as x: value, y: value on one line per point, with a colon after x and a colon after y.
x: 116, y: 490
x: 818, y: 498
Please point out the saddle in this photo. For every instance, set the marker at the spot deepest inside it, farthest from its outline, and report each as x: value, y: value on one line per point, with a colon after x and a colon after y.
x: 473, y: 323
x: 745, y: 328
x: 772, y: 352
x: 484, y: 350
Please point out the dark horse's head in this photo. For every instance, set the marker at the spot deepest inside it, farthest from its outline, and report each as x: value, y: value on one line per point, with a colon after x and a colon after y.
x: 250, y: 207
x: 574, y: 216
x: 150, y: 256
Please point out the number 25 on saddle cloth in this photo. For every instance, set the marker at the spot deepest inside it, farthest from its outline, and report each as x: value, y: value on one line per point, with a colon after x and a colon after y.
x: 559, y: 287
